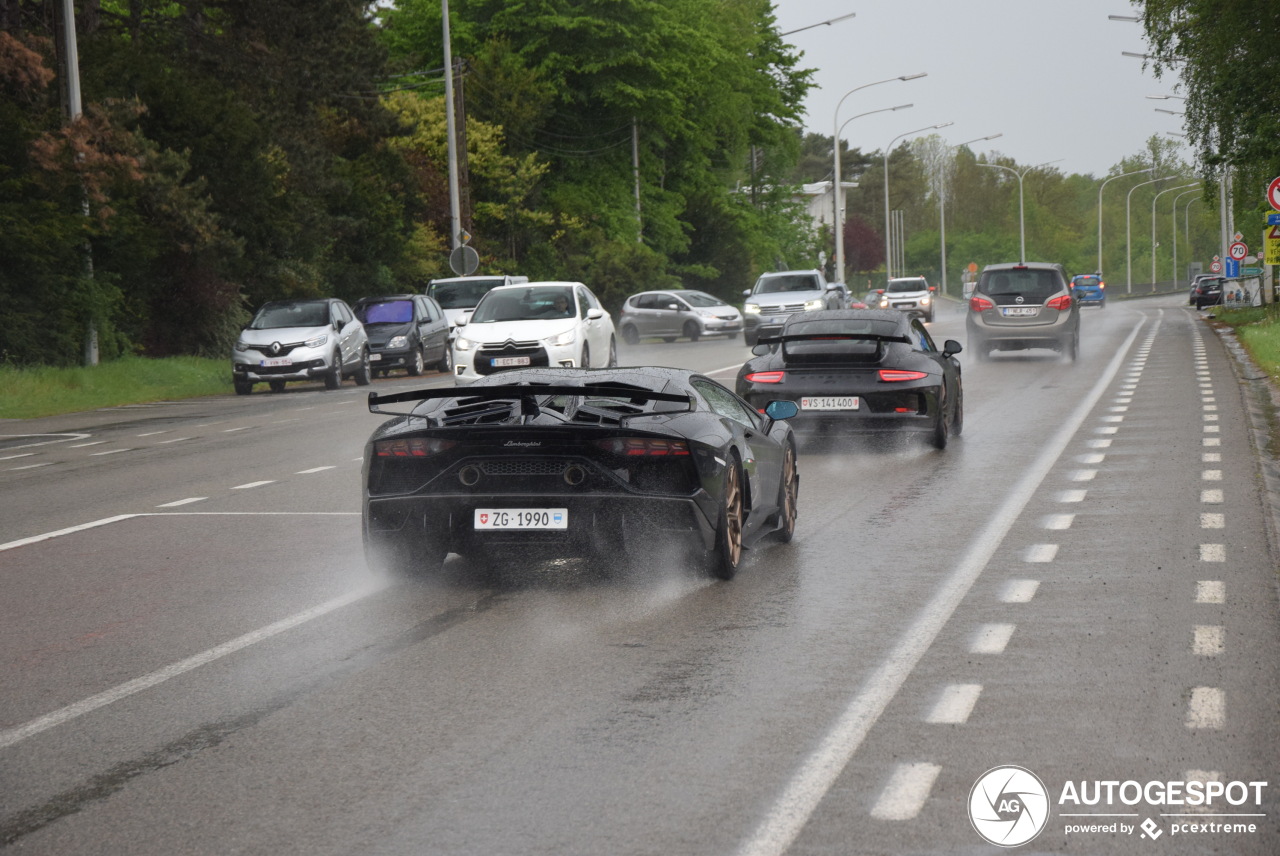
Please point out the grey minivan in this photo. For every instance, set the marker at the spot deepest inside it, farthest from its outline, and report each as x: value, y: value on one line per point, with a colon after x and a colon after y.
x: 1020, y: 306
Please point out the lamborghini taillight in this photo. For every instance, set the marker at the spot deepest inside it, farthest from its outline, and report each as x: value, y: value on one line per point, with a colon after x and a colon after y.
x: 644, y: 447
x: 411, y: 447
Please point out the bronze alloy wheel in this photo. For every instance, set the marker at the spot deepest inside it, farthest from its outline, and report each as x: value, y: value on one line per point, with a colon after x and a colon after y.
x: 790, y: 490
x: 727, y: 556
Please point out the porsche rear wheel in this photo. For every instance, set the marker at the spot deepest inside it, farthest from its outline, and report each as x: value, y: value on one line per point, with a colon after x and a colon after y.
x: 788, y: 494
x: 957, y: 418
x: 726, y: 558
x: 941, y: 430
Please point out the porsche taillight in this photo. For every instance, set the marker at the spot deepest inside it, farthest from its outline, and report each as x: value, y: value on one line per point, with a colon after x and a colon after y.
x: 896, y: 375
x: 980, y: 304
x: 411, y: 447
x: 644, y: 447
x: 766, y: 377
x: 1062, y: 304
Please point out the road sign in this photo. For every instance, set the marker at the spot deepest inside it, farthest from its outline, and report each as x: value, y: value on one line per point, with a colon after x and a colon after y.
x: 1271, y: 245
x: 1216, y: 266
x: 1233, y: 268
x: 1251, y: 271
x: 464, y: 260
x: 1273, y: 219
x: 1238, y: 250
x: 1273, y: 193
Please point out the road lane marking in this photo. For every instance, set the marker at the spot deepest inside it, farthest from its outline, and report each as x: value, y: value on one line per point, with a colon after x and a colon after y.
x: 1090, y: 459
x: 906, y: 792
x: 1210, y: 457
x: 1040, y: 553
x: 991, y: 638
x: 1211, y: 475
x: 186, y: 501
x: 1104, y: 443
x: 32, y: 466
x: 82, y: 445
x: 14, y: 457
x: 1207, y: 640
x: 35, y: 539
x: 1211, y: 591
x: 1107, y: 429
x: 1072, y: 495
x: 955, y: 704
x: 1057, y: 521
x: 1212, y: 441
x: 312, y: 470
x: 1212, y: 520
x: 174, y: 440
x: 1207, y: 708
x: 1019, y: 591
x: 253, y: 484
x: 1211, y: 496
x: 10, y: 736
x: 1213, y: 552
x: 1083, y: 475
x: 1212, y: 429
x: 109, y: 452
x: 801, y: 795
x: 152, y: 433
x: 1115, y: 418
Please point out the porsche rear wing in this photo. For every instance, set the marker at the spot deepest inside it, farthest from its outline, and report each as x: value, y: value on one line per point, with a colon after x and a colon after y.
x: 528, y: 394
x: 822, y: 337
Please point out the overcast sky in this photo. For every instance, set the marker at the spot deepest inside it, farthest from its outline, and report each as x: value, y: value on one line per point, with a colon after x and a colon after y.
x: 1048, y: 74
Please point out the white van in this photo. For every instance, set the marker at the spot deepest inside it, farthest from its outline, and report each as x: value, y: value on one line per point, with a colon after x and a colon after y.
x: 461, y: 294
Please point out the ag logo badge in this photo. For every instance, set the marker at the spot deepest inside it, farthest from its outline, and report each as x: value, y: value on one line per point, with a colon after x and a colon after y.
x: 1008, y: 806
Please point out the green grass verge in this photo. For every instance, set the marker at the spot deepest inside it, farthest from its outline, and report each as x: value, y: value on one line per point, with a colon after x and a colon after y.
x: 28, y: 393
x: 1258, y: 329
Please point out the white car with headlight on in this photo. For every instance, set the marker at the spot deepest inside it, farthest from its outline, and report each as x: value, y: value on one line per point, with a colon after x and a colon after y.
x: 910, y: 294
x: 557, y: 324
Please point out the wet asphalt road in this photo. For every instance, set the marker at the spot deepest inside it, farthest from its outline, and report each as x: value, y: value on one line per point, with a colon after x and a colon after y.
x: 196, y: 660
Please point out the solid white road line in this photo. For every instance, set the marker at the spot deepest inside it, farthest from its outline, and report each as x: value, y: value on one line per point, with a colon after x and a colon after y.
x: 10, y: 736
x: 906, y: 792
x: 1019, y: 591
x: 955, y: 704
x: 1211, y: 591
x: 789, y: 813
x: 1207, y: 708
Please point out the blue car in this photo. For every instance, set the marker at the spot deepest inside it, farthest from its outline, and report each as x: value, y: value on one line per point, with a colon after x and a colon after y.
x: 1089, y: 290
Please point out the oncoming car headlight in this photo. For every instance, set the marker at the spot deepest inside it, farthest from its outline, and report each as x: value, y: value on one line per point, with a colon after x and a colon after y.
x: 398, y: 342
x: 317, y: 341
x: 751, y: 309
x: 924, y: 301
x: 568, y: 337
x: 814, y: 305
x: 462, y: 344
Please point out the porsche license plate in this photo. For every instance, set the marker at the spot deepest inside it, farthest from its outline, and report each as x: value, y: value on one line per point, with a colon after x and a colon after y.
x: 507, y: 362
x: 522, y: 518
x: 845, y: 402
x: 279, y: 361
x: 1020, y: 311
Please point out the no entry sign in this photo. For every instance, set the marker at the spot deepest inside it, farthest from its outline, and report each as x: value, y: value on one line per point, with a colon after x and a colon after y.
x: 1273, y: 193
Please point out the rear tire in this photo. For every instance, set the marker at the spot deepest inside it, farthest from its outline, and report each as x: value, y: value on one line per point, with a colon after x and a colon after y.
x: 957, y: 420
x: 364, y: 373
x: 630, y: 335
x: 725, y: 558
x: 613, y: 353
x: 586, y: 356
x: 788, y: 496
x: 333, y: 377
x: 941, y: 430
x: 446, y: 362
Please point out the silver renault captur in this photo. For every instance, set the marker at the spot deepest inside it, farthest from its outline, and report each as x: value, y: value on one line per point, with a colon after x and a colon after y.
x: 305, y: 339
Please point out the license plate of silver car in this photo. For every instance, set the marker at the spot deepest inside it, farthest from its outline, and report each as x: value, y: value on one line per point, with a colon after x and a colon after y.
x: 843, y: 402
x: 522, y: 518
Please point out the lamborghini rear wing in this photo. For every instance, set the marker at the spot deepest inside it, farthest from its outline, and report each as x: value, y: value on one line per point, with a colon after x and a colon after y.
x: 529, y: 392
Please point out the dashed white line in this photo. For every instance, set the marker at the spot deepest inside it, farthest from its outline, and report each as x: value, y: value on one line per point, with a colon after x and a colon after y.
x: 1040, y: 553
x: 1104, y: 443
x: 991, y: 638
x: 1211, y: 475
x: 152, y: 433
x: 906, y: 792
x: 1210, y: 457
x: 1207, y: 640
x: 1211, y: 591
x: 32, y: 466
x: 1019, y: 591
x: 186, y: 501
x: 1207, y: 708
x: 1212, y: 520
x: 1090, y: 459
x: 1212, y: 441
x: 312, y: 470
x: 1058, y: 521
x: 233, y: 430
x: 954, y: 704
x: 253, y: 484
x: 15, y: 457
x: 1211, y: 496
x: 1213, y: 552
x: 82, y: 445
x: 174, y: 440
x: 108, y: 452
x: 1072, y: 495
x: 1083, y: 475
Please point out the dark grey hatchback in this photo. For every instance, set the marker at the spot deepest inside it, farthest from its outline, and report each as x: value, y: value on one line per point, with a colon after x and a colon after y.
x: 1020, y: 306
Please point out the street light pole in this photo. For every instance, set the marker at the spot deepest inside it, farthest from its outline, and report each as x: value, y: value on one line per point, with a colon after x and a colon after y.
x: 888, y: 262
x: 1022, y: 228
x: 942, y: 208
x: 455, y: 204
x: 1175, y: 230
x: 1153, y: 227
x: 1128, y: 235
x: 1104, y: 184
x: 837, y: 191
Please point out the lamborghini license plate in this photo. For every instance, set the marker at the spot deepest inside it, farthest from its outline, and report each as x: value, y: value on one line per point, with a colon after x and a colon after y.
x: 522, y: 518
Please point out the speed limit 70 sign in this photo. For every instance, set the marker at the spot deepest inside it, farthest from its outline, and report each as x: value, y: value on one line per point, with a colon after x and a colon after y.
x: 1238, y: 250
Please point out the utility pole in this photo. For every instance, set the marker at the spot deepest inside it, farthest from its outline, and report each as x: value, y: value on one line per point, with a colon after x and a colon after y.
x: 71, y: 77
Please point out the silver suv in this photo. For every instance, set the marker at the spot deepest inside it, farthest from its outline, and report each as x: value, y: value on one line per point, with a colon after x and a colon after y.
x: 780, y: 294
x: 910, y: 294
x: 301, y: 340
x: 1024, y: 305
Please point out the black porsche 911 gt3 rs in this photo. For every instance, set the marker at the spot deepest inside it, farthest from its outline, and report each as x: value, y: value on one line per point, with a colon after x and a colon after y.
x: 569, y: 462
x: 859, y: 371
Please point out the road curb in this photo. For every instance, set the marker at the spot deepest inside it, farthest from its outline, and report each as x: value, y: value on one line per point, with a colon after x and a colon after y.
x: 1262, y: 400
